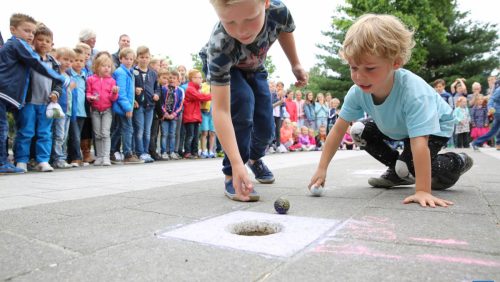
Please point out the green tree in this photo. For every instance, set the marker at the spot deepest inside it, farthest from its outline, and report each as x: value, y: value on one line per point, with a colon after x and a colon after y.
x: 270, y: 67
x: 446, y: 46
x: 197, y: 63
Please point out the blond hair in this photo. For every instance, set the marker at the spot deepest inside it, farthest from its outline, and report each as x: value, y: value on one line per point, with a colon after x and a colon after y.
x: 192, y: 73
x: 17, y: 19
x: 378, y: 35
x: 83, y: 46
x: 125, y: 52
x: 65, y: 51
x: 101, y: 59
x: 163, y: 71
x: 225, y: 3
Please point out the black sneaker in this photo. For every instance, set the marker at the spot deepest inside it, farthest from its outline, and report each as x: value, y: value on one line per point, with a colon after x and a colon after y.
x: 467, y: 162
x: 389, y: 179
x: 261, y: 172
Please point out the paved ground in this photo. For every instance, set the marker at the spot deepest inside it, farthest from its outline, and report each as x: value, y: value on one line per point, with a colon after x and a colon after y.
x: 108, y: 224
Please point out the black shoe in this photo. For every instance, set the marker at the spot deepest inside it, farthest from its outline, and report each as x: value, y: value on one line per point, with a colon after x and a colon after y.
x: 467, y: 163
x: 389, y: 179
x: 156, y: 156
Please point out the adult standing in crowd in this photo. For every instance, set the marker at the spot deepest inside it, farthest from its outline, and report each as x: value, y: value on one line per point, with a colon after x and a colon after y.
x: 123, y: 42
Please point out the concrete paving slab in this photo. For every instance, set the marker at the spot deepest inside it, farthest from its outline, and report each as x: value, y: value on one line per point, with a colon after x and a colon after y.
x: 465, y: 200
x: 152, y: 259
x: 87, y: 206
x: 86, y: 234
x: 470, y: 232
x: 20, y: 255
x: 14, y: 219
x: 356, y: 260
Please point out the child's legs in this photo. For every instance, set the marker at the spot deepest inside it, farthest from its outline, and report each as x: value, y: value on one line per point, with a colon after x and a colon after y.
x: 188, y: 139
x: 495, y: 130
x: 106, y: 119
x: 366, y: 133
x: 127, y: 132
x: 263, y: 125
x: 138, y: 120
x: 116, y: 133
x: 25, y: 123
x: 58, y: 136
x: 155, y: 126
x: 211, y: 141
x: 277, y: 127
x: 43, y: 134
x: 74, y: 139
x: 195, y: 140
x: 172, y: 124
x: 96, y: 126
x: 148, y: 121
x: 242, y: 114
x: 204, y: 130
x: 164, y: 135
x: 4, y: 130
x: 179, y: 133
x: 321, y: 121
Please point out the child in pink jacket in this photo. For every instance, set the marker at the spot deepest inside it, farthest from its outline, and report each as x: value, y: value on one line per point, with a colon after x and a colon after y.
x: 101, y: 93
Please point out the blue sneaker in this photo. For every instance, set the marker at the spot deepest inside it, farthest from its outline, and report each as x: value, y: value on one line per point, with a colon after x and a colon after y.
x: 474, y: 146
x: 10, y: 168
x: 231, y: 193
x: 204, y: 155
x: 261, y: 172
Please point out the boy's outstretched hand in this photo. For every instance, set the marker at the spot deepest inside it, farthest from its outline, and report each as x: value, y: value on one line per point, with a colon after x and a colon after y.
x: 424, y: 199
x: 318, y: 179
x: 301, y: 76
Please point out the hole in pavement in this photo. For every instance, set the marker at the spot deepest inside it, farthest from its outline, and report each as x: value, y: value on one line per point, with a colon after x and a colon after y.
x: 255, y: 228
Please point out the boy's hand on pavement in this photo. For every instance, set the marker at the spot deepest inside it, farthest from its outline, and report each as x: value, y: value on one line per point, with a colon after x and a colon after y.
x: 424, y: 199
x: 241, y: 182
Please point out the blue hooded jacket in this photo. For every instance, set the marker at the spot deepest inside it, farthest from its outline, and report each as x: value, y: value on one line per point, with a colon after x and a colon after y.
x: 17, y: 58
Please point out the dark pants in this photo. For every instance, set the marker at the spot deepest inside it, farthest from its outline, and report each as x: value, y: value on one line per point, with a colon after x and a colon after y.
x: 252, y: 115
x: 277, y: 134
x: 462, y: 140
x: 191, y: 139
x: 446, y: 168
x: 155, y: 127
x: 74, y: 137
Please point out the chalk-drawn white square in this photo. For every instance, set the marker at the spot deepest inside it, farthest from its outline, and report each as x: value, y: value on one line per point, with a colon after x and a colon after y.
x: 296, y: 234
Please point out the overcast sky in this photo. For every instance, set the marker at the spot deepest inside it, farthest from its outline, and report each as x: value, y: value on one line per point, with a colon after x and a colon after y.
x: 179, y: 28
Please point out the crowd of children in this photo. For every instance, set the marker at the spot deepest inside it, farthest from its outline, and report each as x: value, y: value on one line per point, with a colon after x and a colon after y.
x: 129, y: 98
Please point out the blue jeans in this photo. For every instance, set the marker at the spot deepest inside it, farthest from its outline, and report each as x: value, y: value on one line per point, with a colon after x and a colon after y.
x: 31, y: 121
x: 494, y: 131
x: 252, y: 115
x: 143, y: 118
x: 60, y: 128
x: 123, y: 129
x: 191, y: 139
x: 168, y: 128
x: 74, y: 137
x: 4, y: 131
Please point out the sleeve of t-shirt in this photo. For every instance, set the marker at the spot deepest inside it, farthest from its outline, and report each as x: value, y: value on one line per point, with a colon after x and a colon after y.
x: 351, y: 109
x: 221, y: 56
x: 280, y: 13
x: 421, y: 112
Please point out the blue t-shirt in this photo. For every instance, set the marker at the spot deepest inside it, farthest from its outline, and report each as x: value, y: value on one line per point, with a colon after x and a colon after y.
x: 223, y: 52
x: 412, y: 109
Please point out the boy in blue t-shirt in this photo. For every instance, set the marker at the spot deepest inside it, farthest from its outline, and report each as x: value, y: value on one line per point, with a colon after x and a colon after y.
x: 402, y: 106
x: 242, y: 109
x: 17, y: 58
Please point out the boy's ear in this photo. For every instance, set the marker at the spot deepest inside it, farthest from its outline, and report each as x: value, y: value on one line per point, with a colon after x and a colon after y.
x: 397, y: 63
x: 268, y: 3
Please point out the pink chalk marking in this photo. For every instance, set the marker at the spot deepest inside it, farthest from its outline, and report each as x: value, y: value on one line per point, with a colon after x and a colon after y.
x: 372, y: 227
x: 462, y: 260
x: 440, y: 241
x: 358, y: 250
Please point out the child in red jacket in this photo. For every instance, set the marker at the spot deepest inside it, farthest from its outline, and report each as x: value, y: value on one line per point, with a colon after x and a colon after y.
x: 191, y: 117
